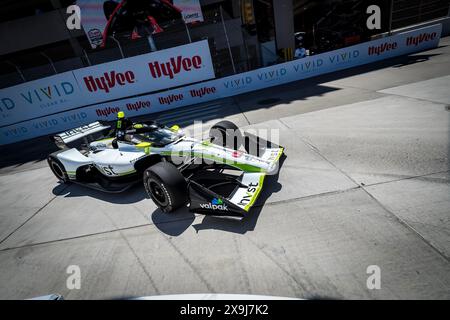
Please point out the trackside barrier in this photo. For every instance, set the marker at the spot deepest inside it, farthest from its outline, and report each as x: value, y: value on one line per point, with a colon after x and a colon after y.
x: 140, y: 74
x: 380, y: 49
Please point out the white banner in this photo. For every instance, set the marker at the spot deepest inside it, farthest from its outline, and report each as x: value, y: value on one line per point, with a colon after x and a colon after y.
x: 108, y: 81
x: 146, y: 73
x: 40, y: 97
x: 399, y: 44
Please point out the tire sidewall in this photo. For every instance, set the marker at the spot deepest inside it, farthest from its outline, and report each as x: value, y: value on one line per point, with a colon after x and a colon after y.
x: 223, y: 127
x: 172, y: 183
x: 55, y: 165
x: 154, y: 178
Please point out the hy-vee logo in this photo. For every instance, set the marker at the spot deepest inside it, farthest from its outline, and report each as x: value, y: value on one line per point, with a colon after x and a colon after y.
x: 216, y: 204
x: 252, y: 187
x: 174, y: 66
x: 108, y: 80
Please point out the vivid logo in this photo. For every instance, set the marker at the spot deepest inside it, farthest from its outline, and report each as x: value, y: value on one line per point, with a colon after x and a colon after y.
x: 343, y: 57
x: 108, y: 80
x: 216, y: 204
x: 174, y: 66
x: 17, y: 131
x: 271, y: 75
x: 308, y: 65
x: 6, y: 103
x: 238, y: 83
x: 39, y: 95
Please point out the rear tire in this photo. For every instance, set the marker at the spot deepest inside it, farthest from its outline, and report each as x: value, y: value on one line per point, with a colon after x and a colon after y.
x: 226, y: 134
x: 166, y: 186
x: 58, y: 169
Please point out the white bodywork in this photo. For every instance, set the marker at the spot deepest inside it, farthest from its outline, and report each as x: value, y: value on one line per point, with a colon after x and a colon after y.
x: 118, y: 162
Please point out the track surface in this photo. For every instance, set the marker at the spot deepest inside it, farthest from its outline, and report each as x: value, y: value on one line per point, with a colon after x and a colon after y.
x: 366, y: 182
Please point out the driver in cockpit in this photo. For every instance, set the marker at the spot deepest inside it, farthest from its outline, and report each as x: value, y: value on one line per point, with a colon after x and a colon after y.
x: 122, y: 124
x: 125, y: 128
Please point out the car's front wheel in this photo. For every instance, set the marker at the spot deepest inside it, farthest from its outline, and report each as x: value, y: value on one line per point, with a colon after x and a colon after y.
x: 166, y: 186
x: 58, y: 169
x: 227, y: 134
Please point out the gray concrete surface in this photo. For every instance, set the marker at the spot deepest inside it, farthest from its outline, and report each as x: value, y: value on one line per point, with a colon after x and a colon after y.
x: 365, y: 182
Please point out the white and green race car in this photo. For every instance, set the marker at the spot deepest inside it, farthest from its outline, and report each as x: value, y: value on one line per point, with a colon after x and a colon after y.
x: 213, y: 176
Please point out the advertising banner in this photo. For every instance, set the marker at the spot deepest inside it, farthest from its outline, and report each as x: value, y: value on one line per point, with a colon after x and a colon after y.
x: 118, y: 79
x: 190, y: 9
x: 146, y: 73
x: 310, y: 66
x: 380, y: 49
x: 40, y: 97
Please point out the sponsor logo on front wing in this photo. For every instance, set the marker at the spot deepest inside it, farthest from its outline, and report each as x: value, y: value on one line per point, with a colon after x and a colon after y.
x: 252, y: 187
x: 215, y: 204
x: 273, y: 155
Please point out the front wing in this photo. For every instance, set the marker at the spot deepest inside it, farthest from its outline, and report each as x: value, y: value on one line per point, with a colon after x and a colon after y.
x: 236, y: 205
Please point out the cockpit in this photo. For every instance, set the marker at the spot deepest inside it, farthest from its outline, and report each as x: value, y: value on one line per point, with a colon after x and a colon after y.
x: 157, y: 135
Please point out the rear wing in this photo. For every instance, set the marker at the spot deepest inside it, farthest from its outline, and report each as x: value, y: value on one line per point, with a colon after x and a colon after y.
x: 61, y: 139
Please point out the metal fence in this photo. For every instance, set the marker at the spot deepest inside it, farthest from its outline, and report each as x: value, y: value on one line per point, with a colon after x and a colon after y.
x: 233, y: 49
x: 410, y: 12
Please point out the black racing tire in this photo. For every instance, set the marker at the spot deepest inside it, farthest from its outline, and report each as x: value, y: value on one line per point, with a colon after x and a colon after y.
x: 58, y: 169
x: 166, y: 186
x: 222, y: 134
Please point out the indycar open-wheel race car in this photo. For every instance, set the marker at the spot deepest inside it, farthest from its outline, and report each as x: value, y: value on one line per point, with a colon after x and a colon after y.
x: 214, y: 176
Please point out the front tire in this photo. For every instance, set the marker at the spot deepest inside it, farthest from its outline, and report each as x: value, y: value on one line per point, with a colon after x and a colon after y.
x: 58, y: 169
x: 226, y: 134
x: 166, y: 186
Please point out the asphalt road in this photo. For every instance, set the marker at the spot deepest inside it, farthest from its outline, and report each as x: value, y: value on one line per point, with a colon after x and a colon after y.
x: 366, y: 182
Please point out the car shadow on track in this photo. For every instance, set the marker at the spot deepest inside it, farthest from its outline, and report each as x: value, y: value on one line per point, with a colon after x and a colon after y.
x: 135, y: 194
x: 176, y: 223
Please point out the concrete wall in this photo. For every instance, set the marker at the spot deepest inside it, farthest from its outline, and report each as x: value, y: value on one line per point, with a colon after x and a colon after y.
x: 284, y: 23
x: 34, y: 31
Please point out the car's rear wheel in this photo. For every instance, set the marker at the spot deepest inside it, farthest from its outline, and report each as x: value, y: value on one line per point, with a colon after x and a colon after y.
x: 166, y: 186
x: 227, y: 134
x: 58, y: 169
